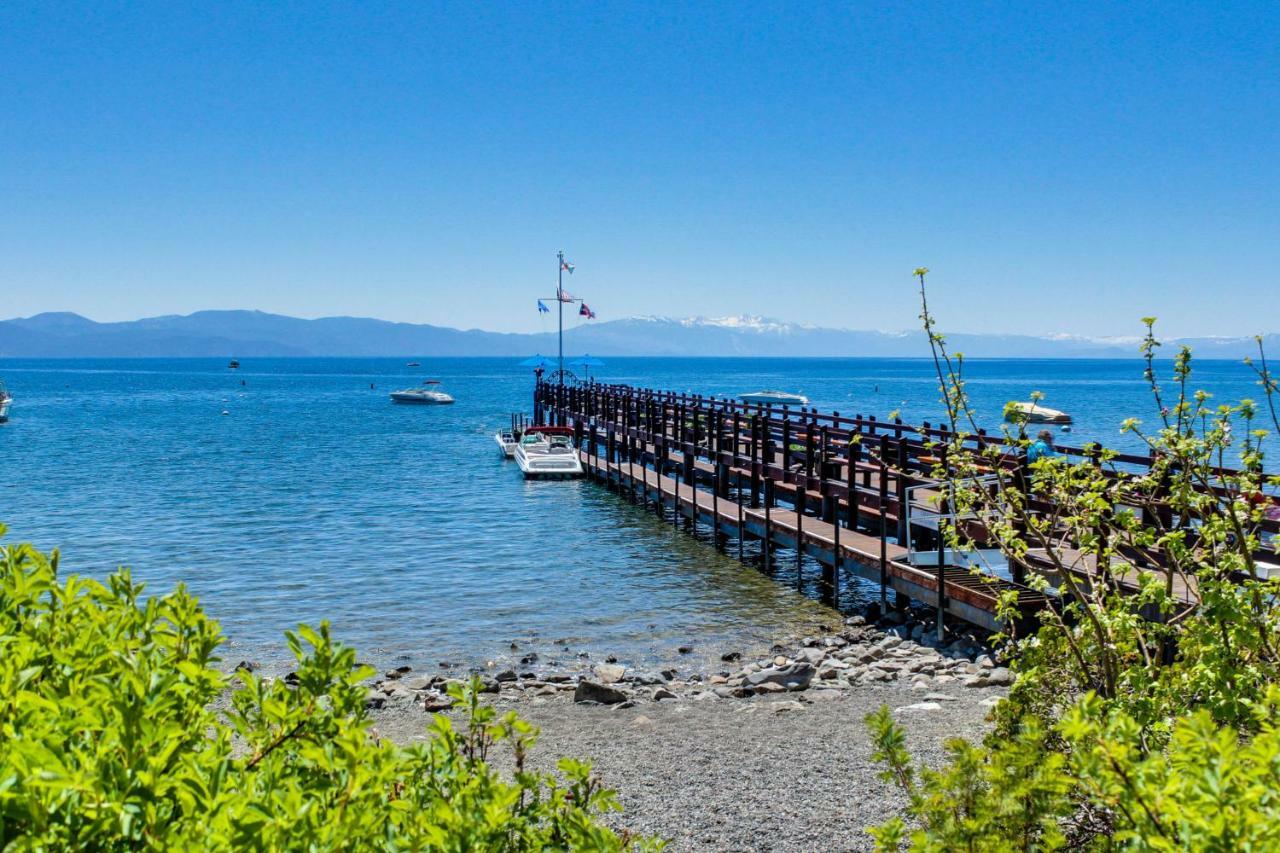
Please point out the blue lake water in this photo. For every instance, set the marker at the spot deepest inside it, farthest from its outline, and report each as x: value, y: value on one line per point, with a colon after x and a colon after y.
x: 315, y: 497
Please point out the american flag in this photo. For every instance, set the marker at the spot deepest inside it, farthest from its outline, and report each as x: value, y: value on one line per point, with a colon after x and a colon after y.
x: 564, y: 296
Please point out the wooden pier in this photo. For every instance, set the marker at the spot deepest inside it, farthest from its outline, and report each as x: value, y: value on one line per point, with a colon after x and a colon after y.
x: 793, y: 484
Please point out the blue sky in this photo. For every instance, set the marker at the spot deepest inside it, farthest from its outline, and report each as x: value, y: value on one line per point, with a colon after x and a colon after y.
x: 1062, y: 168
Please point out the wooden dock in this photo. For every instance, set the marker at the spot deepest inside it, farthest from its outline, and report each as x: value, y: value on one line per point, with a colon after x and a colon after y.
x: 795, y: 488
x: 855, y: 496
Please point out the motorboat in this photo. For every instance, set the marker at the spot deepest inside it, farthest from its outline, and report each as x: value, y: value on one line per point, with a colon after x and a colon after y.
x: 233, y: 365
x: 413, y: 364
x: 5, y: 399
x: 430, y: 393
x: 548, y: 451
x: 1034, y: 413
x: 777, y: 398
x: 507, y: 441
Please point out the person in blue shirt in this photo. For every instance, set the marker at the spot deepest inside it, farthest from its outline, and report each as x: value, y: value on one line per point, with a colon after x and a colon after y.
x: 1041, y: 447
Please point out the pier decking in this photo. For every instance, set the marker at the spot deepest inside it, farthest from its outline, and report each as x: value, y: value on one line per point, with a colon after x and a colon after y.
x: 854, y: 495
x: 794, y: 487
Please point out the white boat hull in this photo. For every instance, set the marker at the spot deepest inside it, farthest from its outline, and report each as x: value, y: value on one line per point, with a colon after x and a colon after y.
x: 430, y: 398
x: 777, y: 398
x: 536, y: 462
x: 1035, y: 414
x: 4, y: 410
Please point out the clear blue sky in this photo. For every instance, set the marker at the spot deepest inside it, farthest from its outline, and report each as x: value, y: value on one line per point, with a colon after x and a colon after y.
x: 1061, y: 167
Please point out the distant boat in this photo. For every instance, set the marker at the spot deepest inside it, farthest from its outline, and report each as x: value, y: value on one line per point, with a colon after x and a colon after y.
x: 233, y: 364
x: 430, y: 393
x: 5, y: 399
x: 1034, y: 413
x: 413, y: 364
x: 776, y: 397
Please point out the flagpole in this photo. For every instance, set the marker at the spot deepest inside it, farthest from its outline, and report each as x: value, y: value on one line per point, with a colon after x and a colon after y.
x: 560, y: 309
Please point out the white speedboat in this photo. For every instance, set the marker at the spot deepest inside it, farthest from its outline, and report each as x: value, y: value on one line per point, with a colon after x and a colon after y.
x: 1034, y: 413
x: 548, y: 451
x: 430, y: 393
x: 5, y: 399
x: 507, y: 441
x: 777, y: 398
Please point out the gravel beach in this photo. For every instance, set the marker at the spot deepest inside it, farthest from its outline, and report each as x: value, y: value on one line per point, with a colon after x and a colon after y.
x: 762, y: 773
x: 770, y: 754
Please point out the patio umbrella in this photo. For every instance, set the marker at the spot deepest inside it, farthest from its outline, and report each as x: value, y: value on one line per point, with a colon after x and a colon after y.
x: 586, y: 362
x: 537, y: 361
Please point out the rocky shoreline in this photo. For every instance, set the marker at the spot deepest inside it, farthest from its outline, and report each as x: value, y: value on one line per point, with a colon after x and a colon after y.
x: 895, y: 651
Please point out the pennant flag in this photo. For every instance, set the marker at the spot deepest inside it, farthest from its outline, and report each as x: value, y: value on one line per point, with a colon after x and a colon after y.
x: 567, y: 267
x: 586, y: 312
x: 563, y: 295
x: 542, y: 309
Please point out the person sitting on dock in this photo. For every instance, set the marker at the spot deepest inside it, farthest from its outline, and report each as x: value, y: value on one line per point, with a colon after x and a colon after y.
x: 1042, y: 447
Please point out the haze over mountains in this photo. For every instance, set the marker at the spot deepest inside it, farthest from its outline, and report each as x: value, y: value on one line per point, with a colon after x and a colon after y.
x: 246, y: 334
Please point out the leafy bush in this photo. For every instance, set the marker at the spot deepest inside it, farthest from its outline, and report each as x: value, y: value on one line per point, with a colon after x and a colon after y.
x: 1144, y: 714
x: 109, y: 739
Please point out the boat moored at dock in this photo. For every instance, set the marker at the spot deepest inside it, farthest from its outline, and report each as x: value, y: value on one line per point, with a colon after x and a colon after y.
x: 548, y: 451
x: 507, y: 441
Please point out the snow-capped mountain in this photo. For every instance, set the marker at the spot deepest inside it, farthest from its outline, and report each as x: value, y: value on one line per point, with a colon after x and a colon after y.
x: 254, y: 333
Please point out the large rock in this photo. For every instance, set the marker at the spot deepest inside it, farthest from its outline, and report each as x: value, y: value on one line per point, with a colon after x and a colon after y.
x: 794, y: 676
x: 609, y: 673
x: 590, y: 691
x: 1000, y: 676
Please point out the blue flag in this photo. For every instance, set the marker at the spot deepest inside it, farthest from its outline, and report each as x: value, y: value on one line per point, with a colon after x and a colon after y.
x: 542, y: 309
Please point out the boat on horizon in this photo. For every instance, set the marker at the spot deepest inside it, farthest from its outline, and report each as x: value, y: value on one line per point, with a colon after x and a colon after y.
x: 5, y: 400
x: 776, y: 398
x: 233, y: 365
x: 429, y: 393
x: 413, y: 364
x: 548, y: 451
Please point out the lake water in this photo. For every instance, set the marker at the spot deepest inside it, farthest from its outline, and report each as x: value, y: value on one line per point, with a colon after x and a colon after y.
x: 315, y: 497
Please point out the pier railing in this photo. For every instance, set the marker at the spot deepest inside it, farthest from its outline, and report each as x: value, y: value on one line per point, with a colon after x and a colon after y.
x: 855, y: 494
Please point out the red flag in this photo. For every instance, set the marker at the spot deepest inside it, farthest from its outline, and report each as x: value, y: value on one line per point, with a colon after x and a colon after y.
x: 584, y: 311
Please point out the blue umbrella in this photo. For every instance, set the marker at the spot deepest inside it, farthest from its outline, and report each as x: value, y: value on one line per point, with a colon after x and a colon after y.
x: 586, y: 363
x: 537, y: 361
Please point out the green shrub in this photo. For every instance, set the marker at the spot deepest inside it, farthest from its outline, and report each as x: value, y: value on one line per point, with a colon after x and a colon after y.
x: 1144, y: 715
x: 109, y: 739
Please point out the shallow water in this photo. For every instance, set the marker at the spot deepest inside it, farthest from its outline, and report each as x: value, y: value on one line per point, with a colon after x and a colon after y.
x: 314, y: 497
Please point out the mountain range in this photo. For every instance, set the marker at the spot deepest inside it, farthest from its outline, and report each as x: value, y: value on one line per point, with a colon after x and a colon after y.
x: 242, y: 334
